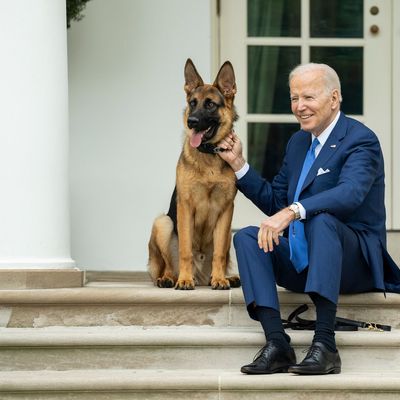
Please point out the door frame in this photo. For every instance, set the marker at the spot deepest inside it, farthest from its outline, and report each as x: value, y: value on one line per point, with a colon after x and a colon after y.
x: 395, y: 75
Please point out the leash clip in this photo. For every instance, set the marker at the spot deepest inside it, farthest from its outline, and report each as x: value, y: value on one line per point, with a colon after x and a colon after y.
x: 372, y: 327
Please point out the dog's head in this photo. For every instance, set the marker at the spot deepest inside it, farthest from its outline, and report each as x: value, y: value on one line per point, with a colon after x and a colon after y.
x: 210, y: 113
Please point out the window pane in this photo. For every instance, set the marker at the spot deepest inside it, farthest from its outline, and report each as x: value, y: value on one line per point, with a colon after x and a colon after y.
x: 268, y: 70
x: 348, y: 63
x: 336, y: 18
x: 273, y: 18
x: 267, y: 145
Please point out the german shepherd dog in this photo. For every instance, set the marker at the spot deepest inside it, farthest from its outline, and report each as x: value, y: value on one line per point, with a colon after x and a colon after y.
x: 190, y: 244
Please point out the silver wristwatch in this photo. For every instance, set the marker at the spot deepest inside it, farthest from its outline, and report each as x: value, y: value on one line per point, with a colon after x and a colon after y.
x: 296, y: 209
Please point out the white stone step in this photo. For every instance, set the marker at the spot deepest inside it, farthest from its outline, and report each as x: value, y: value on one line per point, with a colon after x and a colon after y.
x: 112, y: 304
x: 194, y: 384
x: 113, y: 340
x: 67, y: 348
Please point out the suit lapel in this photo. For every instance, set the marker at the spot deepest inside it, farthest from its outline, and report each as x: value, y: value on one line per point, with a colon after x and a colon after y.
x: 330, y: 147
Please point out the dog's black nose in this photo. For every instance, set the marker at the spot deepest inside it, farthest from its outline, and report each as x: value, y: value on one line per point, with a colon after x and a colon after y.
x: 192, y: 122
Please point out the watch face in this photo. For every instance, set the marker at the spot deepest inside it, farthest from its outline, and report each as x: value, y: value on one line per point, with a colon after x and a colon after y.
x: 295, y: 208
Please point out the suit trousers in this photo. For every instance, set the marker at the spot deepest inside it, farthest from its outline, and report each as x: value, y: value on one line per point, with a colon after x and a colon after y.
x: 336, y: 264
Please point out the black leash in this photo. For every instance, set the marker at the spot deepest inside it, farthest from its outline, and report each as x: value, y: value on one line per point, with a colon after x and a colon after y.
x: 341, y: 324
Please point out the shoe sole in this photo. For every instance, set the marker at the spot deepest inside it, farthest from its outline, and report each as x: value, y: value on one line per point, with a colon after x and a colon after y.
x: 275, y: 371
x: 331, y: 371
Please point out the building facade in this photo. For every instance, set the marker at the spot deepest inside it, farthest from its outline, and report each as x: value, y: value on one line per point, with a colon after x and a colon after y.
x: 92, y: 125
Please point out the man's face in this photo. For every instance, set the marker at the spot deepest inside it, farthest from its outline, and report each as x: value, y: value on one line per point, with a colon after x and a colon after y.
x: 311, y: 103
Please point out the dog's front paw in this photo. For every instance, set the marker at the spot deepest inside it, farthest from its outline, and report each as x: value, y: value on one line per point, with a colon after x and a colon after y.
x: 165, y: 282
x: 234, y: 281
x: 185, y: 284
x: 220, y: 284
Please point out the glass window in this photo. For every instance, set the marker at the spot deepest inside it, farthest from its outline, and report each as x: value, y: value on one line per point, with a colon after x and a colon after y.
x: 267, y: 146
x: 348, y: 63
x: 273, y: 18
x: 336, y: 18
x: 268, y: 70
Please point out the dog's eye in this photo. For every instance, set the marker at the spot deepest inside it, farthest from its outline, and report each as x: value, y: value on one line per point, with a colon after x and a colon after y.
x: 210, y: 105
x: 192, y: 103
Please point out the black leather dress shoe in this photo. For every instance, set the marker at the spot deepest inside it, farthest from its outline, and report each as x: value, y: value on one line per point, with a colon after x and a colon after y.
x: 270, y: 359
x: 318, y: 361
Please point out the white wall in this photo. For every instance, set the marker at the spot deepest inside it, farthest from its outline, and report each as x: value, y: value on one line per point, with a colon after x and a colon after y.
x: 126, y: 60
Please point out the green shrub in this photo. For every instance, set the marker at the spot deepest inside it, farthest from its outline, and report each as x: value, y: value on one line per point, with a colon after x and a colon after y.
x: 74, y: 10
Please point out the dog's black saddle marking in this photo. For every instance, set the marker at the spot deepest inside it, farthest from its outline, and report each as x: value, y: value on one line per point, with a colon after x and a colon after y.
x: 172, y: 212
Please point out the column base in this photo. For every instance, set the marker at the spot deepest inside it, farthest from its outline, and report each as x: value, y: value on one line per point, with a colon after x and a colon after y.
x: 41, y: 278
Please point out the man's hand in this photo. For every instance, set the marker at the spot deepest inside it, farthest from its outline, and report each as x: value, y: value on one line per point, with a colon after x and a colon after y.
x: 233, y: 153
x: 272, y: 227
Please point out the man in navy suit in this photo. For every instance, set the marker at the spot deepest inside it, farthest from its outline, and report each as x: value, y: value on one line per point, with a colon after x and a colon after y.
x: 329, y: 197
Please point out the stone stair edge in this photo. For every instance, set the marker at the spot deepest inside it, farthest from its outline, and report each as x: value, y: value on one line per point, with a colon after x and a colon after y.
x: 153, y: 295
x: 176, y: 336
x: 203, y: 380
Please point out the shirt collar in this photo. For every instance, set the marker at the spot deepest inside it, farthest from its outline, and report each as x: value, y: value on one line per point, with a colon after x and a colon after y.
x: 323, y: 137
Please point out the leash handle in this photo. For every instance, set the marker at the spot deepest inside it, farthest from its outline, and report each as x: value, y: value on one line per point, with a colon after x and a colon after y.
x: 341, y: 324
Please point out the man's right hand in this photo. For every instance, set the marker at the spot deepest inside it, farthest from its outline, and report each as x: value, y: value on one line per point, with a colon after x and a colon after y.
x: 272, y: 227
x: 233, y: 153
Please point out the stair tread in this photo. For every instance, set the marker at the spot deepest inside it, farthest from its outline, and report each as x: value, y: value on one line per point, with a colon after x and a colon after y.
x: 131, y: 379
x: 146, y: 293
x: 176, y: 336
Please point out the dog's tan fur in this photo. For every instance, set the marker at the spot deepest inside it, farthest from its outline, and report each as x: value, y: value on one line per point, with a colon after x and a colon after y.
x: 206, y: 188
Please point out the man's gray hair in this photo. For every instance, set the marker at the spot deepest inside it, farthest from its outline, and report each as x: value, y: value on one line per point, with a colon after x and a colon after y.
x: 332, y: 80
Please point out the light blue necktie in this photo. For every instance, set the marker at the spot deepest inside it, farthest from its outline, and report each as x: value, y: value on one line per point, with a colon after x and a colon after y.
x: 297, y: 238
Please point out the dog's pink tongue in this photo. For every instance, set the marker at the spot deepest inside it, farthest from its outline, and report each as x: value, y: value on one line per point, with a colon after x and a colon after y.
x: 195, y: 139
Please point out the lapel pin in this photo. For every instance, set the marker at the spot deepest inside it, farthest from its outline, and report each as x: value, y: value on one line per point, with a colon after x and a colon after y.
x: 333, y: 146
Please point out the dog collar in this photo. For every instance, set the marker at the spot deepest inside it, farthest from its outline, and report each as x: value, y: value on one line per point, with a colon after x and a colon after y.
x: 210, y: 148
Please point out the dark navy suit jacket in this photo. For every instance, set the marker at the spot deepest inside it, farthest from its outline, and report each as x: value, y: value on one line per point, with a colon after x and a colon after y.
x: 353, y: 190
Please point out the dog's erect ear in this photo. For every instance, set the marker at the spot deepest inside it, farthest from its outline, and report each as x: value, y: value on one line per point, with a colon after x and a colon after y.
x: 225, y: 80
x: 192, y: 77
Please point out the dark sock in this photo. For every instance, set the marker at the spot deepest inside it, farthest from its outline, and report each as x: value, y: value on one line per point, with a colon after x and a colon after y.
x: 325, y: 321
x: 271, y: 322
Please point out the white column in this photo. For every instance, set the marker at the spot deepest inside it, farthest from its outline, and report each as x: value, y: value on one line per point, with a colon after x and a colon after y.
x: 34, y: 206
